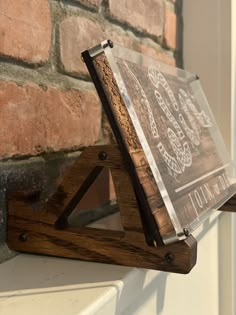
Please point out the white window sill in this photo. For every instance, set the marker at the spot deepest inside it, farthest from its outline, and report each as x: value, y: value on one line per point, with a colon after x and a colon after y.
x: 42, y: 285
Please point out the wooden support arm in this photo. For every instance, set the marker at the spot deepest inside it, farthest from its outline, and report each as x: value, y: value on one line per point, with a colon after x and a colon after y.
x: 47, y: 231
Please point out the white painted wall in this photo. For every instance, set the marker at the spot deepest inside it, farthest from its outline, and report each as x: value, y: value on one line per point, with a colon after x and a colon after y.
x: 207, y: 51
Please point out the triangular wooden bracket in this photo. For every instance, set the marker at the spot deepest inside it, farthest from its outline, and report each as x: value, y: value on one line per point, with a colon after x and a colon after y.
x: 46, y: 231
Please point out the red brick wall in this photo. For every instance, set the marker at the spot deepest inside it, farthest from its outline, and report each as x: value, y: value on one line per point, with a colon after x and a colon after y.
x: 47, y: 102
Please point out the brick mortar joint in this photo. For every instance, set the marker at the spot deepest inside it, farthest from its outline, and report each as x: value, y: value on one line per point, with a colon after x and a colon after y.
x: 58, y: 15
x: 17, y: 160
x: 104, y: 17
x: 41, y: 76
x: 60, y: 10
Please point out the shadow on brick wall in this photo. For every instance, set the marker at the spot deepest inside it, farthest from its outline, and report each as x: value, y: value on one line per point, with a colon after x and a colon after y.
x: 179, y: 33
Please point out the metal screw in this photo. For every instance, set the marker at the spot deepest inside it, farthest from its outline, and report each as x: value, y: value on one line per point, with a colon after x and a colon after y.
x: 23, y: 237
x: 109, y: 43
x: 186, y: 232
x: 102, y: 155
x: 169, y: 258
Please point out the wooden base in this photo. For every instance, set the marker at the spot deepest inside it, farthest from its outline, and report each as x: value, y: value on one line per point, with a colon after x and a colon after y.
x: 47, y: 231
x: 230, y: 205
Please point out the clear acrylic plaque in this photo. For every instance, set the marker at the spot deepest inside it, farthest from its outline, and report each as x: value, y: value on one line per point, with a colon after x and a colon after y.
x: 178, y: 133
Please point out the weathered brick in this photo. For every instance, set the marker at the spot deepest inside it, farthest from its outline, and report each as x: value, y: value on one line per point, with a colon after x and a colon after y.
x: 132, y: 43
x: 165, y: 58
x: 76, y: 35
x: 25, y: 30
x: 170, y: 29
x: 147, y: 15
x: 34, y: 120
x: 120, y: 39
x: 160, y: 55
x: 90, y: 3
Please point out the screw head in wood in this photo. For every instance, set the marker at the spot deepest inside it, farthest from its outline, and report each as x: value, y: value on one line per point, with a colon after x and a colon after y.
x: 23, y: 237
x: 102, y: 155
x: 186, y: 232
x: 110, y: 43
x: 169, y: 257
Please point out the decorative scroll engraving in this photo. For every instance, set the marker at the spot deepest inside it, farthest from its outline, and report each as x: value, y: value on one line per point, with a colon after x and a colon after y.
x: 187, y: 159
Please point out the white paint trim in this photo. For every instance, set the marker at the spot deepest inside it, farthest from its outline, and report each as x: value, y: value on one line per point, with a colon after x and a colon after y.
x: 233, y: 142
x: 233, y: 244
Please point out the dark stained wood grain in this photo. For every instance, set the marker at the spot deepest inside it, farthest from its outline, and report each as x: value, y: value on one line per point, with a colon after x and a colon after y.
x: 133, y: 146
x: 230, y: 205
x: 126, y: 247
